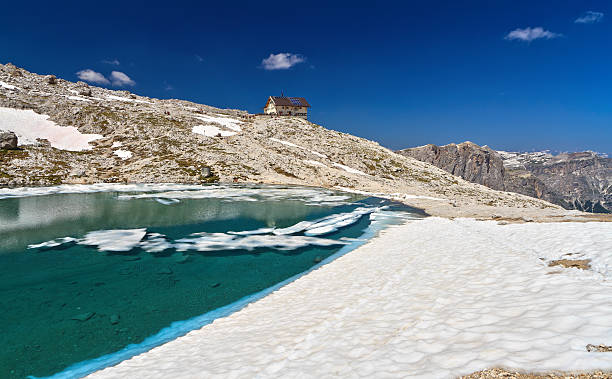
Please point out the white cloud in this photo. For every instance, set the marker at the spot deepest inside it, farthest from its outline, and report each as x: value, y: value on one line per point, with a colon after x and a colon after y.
x: 199, y: 58
x: 114, y: 62
x: 120, y: 79
x: 281, y: 61
x: 91, y: 76
x: 530, y: 34
x: 590, y: 17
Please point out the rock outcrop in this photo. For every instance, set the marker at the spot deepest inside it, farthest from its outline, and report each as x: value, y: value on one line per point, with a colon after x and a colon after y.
x: 8, y: 141
x: 581, y: 181
x: 467, y: 160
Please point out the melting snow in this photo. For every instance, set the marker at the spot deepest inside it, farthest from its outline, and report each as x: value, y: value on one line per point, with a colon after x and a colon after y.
x: 78, y: 98
x: 349, y: 169
x: 28, y: 126
x: 123, y: 154
x: 113, y: 97
x: 211, y: 131
x: 287, y: 143
x: 434, y: 298
x: 314, y: 163
x: 7, y: 86
x: 116, y: 144
x: 230, y: 123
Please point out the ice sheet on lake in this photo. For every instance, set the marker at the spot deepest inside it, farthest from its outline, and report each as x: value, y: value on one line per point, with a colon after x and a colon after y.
x: 188, y: 191
x: 307, y: 195
x: 92, y: 188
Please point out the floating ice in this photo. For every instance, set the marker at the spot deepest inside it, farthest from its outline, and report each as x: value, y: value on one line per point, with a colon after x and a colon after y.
x: 155, y: 243
x: 297, y: 228
x: 114, y: 240
x: 54, y: 243
x: 272, y: 238
x: 164, y: 201
x: 253, y: 232
x: 221, y: 241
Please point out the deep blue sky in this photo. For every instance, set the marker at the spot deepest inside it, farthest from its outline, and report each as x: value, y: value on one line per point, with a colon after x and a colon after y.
x: 403, y: 74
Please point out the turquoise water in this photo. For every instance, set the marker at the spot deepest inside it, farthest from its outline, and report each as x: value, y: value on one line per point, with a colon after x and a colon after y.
x: 135, y: 260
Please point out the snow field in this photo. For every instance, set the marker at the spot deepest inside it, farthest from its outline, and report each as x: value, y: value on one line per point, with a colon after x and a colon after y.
x: 434, y: 298
x: 28, y: 126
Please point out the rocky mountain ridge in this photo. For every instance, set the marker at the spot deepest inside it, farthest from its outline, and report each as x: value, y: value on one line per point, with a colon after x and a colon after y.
x: 126, y: 138
x: 581, y: 181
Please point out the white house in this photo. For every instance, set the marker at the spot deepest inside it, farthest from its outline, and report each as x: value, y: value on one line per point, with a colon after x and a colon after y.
x: 287, y: 106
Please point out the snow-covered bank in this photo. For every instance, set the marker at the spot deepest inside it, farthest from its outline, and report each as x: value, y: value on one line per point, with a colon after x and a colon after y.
x: 432, y: 298
x: 28, y: 126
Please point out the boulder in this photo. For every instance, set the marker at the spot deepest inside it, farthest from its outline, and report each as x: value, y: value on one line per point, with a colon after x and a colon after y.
x: 8, y: 141
x: 83, y: 89
x: 51, y: 79
x: 12, y: 70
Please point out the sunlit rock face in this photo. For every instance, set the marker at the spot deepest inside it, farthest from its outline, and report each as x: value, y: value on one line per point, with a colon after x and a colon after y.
x: 580, y: 181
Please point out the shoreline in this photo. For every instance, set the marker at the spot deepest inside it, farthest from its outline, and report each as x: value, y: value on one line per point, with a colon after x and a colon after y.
x: 436, y: 207
x: 180, y: 328
x: 404, y: 306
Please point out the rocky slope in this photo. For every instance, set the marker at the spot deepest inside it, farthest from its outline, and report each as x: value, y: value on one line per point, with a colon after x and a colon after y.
x: 581, y: 181
x: 130, y: 138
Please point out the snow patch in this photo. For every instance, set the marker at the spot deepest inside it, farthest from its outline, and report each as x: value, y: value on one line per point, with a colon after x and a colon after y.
x: 314, y: 163
x: 123, y: 154
x: 230, y: 123
x: 7, y: 86
x: 287, y: 143
x: 78, y: 98
x: 349, y: 169
x: 28, y: 126
x: 116, y: 144
x: 211, y: 131
x: 119, y: 98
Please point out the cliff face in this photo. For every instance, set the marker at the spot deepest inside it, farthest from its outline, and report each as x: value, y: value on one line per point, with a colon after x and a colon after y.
x: 467, y: 160
x: 580, y: 181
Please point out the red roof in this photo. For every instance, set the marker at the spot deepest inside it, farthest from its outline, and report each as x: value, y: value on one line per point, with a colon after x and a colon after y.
x: 290, y: 101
